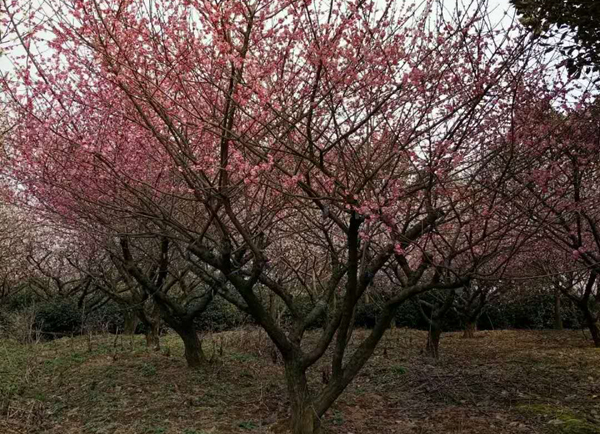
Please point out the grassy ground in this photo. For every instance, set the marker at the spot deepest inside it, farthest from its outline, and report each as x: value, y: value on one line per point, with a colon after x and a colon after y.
x: 500, y: 382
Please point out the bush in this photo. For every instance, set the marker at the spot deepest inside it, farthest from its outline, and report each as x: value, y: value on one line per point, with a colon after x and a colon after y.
x: 366, y: 315
x: 108, y: 317
x: 58, y: 317
x: 535, y: 311
x: 20, y: 301
x: 219, y: 316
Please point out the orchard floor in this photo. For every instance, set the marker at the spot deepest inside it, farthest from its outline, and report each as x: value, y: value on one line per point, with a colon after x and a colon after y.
x: 499, y: 382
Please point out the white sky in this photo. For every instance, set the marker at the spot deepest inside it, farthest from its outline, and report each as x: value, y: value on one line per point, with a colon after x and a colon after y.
x: 497, y: 8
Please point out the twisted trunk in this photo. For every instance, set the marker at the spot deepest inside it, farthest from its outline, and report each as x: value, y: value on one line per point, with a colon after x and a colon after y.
x: 192, y: 344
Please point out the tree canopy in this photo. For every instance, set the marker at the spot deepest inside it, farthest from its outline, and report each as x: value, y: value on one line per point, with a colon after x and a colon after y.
x: 578, y: 19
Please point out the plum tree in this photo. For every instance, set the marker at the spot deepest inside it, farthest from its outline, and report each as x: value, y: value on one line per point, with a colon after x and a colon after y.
x: 285, y: 147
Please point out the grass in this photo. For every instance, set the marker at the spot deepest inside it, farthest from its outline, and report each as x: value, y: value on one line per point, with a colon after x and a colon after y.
x: 148, y: 370
x: 562, y: 419
x: 503, y: 382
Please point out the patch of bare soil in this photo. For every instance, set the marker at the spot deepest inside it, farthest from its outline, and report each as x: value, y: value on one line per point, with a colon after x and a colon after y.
x: 500, y: 382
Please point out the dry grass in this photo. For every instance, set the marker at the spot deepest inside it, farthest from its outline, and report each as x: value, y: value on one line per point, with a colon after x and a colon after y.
x: 501, y: 382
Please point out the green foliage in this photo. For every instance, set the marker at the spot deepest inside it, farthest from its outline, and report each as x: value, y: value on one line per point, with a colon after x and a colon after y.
x: 58, y: 316
x: 398, y: 370
x: 242, y: 357
x: 581, y: 18
x: 366, y: 314
x: 407, y: 315
x: 108, y: 316
x: 220, y: 315
x: 148, y: 370
x: 531, y: 311
x: 536, y: 311
x: 337, y: 418
x: 20, y: 301
x: 249, y: 425
x: 562, y: 419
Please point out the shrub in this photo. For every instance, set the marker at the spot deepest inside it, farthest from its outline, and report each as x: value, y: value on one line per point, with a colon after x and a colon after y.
x: 108, y: 317
x: 58, y: 317
x: 219, y: 316
x: 62, y: 316
x: 21, y: 300
x: 534, y: 310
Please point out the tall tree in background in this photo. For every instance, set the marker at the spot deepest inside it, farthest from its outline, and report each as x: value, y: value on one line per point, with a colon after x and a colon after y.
x: 574, y: 26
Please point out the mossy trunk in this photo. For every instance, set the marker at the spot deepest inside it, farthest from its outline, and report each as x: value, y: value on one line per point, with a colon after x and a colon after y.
x: 304, y: 419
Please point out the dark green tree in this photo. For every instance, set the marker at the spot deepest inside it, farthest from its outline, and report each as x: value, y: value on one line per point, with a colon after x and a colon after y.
x: 574, y: 23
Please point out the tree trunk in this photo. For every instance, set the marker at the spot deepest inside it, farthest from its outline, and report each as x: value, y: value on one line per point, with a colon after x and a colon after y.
x: 594, y: 327
x: 558, y: 324
x: 193, y: 346
x: 592, y: 322
x: 304, y: 418
x: 130, y: 322
x: 153, y: 336
x: 470, y: 329
x: 153, y: 326
x: 433, y: 342
x: 595, y: 331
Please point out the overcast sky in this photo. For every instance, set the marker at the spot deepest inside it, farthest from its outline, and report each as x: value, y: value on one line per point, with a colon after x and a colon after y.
x: 497, y: 8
